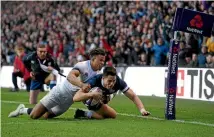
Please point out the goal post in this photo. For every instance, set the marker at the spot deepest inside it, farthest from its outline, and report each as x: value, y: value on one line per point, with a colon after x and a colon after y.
x: 189, y: 21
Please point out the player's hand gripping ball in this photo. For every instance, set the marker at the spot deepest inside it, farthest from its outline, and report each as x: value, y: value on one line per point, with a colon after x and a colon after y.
x: 94, y: 102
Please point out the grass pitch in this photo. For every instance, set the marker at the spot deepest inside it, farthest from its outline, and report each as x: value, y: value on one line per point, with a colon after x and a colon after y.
x: 194, y: 119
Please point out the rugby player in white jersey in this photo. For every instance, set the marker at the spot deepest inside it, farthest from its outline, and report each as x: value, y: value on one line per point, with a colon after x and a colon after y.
x: 60, y: 98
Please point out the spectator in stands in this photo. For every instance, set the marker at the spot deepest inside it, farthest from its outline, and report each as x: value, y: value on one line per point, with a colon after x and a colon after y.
x: 3, y: 58
x: 209, y: 63
x: 182, y: 54
x: 187, y: 59
x: 202, y: 57
x: 63, y: 26
x: 192, y: 41
x: 143, y: 60
x: 194, y: 62
x: 210, y: 44
x: 160, y: 51
x: 20, y: 70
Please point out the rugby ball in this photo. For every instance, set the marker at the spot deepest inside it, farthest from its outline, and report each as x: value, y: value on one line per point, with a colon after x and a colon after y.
x: 92, y: 102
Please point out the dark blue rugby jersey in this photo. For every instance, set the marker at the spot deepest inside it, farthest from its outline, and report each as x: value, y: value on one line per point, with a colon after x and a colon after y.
x: 96, y: 81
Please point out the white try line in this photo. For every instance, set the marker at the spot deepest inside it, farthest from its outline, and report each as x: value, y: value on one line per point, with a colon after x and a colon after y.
x: 122, y: 114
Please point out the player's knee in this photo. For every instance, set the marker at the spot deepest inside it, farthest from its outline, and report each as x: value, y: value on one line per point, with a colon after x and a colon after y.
x: 113, y: 115
x: 48, y: 115
x: 109, y: 112
x: 33, y: 115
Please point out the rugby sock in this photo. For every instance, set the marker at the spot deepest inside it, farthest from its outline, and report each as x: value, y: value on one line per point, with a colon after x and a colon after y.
x: 88, y: 114
x: 26, y: 111
x: 52, y: 83
x: 29, y: 110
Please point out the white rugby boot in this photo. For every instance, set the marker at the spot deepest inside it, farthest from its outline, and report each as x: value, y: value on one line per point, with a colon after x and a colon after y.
x: 17, y: 112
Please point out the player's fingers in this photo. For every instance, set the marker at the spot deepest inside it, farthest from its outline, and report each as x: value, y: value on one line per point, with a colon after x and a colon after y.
x: 89, y: 86
x: 146, y: 113
x: 50, y: 68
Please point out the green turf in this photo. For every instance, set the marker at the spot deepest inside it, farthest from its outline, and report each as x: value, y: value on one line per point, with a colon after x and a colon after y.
x: 122, y: 126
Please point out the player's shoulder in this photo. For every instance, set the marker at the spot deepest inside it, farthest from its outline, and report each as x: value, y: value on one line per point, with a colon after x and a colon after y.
x: 119, y: 81
x: 49, y: 57
x: 118, y: 78
x: 81, y: 66
x: 96, y: 77
x: 31, y: 55
x: 83, y: 63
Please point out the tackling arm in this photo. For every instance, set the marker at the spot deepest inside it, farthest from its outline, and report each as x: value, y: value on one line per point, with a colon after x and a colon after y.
x: 72, y: 78
x: 81, y: 95
x: 132, y: 96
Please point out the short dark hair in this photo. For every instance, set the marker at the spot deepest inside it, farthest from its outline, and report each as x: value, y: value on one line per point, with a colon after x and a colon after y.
x: 109, y: 71
x: 97, y: 51
x: 41, y: 46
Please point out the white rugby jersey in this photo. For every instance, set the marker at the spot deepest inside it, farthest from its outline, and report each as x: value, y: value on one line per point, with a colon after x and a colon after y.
x: 86, y: 72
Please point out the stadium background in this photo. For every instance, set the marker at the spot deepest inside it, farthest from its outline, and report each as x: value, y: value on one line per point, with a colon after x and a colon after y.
x: 134, y: 34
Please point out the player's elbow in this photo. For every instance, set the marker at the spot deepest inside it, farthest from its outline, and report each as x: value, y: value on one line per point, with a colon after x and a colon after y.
x: 77, y: 97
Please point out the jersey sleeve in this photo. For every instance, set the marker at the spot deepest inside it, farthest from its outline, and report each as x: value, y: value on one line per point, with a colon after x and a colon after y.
x: 27, y: 61
x: 79, y: 66
x: 123, y: 87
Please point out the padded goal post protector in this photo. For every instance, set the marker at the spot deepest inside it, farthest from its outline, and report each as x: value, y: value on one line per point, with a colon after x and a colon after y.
x: 172, y: 80
x: 193, y: 22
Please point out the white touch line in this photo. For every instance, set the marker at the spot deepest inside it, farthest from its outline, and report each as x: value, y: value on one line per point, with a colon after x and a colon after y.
x: 122, y: 114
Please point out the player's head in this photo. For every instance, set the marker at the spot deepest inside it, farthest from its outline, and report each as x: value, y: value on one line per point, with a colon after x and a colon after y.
x: 109, y: 77
x: 97, y: 57
x: 19, y: 50
x: 41, y: 51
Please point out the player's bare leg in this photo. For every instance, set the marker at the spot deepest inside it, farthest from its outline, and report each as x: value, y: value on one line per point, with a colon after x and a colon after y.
x: 48, y: 115
x: 38, y: 111
x: 33, y: 96
x: 106, y: 111
x: 87, y: 114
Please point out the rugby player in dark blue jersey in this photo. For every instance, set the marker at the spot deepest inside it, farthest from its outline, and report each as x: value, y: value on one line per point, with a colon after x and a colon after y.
x: 40, y: 64
x: 109, y: 83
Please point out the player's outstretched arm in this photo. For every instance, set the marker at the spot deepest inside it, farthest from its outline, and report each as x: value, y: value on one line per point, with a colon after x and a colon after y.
x: 132, y: 96
x: 81, y: 95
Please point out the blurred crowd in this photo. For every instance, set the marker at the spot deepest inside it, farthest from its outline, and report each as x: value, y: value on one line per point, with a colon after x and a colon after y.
x: 134, y: 33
